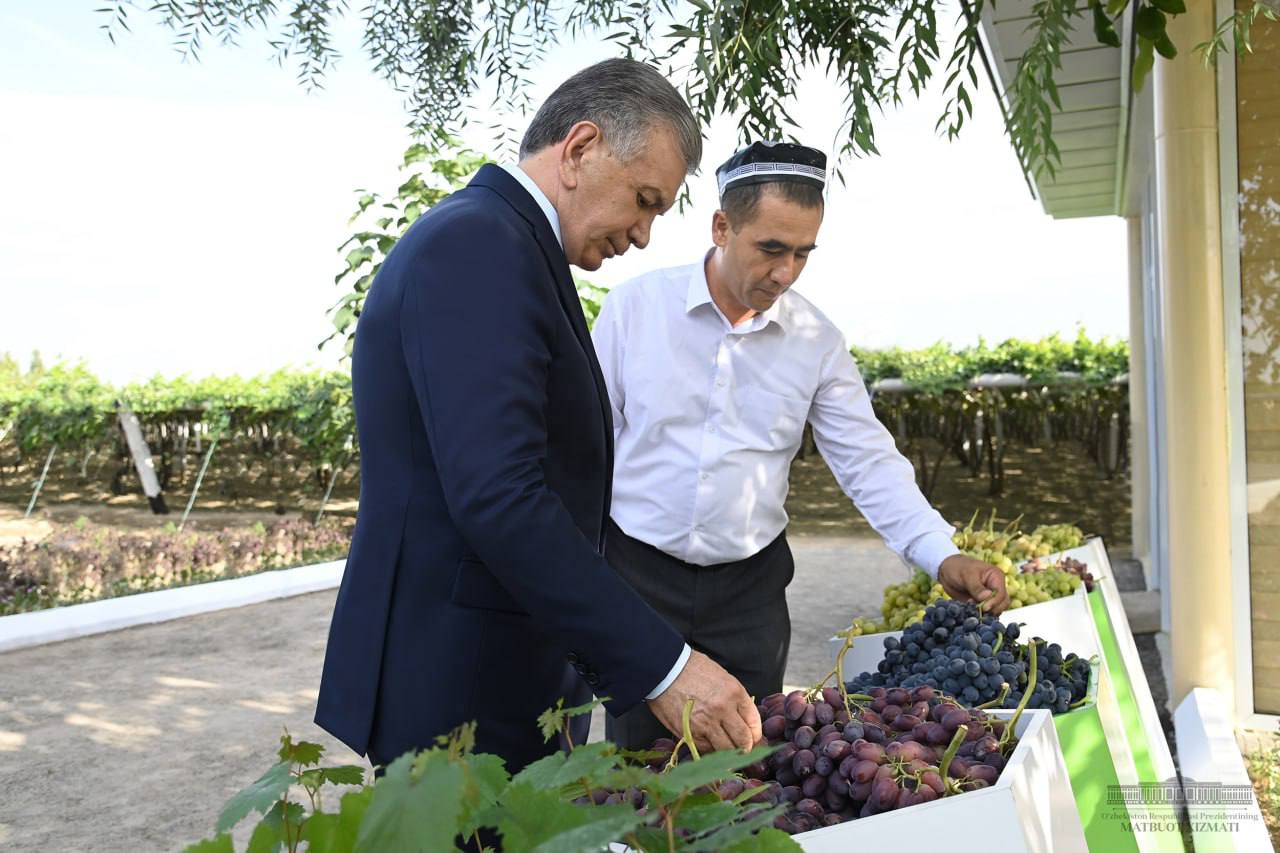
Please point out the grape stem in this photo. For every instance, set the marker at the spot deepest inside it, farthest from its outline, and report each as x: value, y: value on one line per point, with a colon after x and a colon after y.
x: 962, y: 731
x: 838, y: 672
x: 1022, y: 704
x: 999, y: 700
x: 687, y: 730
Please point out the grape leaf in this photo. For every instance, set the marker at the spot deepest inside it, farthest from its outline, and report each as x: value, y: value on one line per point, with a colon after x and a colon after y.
x: 336, y: 833
x: 538, y: 819
x: 551, y: 721
x: 703, y: 817
x: 593, y: 836
x: 346, y: 774
x: 767, y: 840
x: 303, y: 752
x: 259, y: 797
x: 408, y: 815
x: 591, y: 761
x: 265, y: 839
x: 688, y: 775
x: 487, y: 778
x: 742, y: 829
x: 218, y: 844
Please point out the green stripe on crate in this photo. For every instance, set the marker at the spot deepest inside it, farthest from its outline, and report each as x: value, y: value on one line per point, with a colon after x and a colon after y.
x: 1089, y: 764
x: 1135, y: 732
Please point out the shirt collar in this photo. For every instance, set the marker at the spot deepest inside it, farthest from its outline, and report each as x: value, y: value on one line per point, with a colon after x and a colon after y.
x: 539, y: 196
x: 699, y: 293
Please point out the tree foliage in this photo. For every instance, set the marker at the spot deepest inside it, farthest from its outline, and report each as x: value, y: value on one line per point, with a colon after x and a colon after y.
x: 737, y: 57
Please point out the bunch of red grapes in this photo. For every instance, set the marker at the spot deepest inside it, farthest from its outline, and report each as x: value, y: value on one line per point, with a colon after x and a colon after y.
x: 901, y: 748
x: 1066, y: 564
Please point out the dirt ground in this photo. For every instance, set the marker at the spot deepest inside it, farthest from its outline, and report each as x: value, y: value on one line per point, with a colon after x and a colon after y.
x: 132, y: 741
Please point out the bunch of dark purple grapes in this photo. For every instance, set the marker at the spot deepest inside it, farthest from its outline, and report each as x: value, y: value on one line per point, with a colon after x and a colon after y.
x: 897, y: 749
x: 975, y: 658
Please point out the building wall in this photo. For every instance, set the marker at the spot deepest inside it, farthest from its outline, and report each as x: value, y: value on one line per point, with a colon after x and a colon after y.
x: 1258, y: 143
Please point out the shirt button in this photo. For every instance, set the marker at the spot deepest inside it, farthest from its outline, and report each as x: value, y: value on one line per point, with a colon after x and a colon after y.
x: 711, y: 428
x: 704, y: 476
x: 720, y: 383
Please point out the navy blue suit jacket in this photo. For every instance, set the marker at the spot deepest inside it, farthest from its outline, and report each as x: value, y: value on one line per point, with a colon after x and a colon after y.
x: 475, y: 588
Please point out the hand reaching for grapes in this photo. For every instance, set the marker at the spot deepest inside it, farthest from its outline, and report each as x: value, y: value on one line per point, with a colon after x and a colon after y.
x: 724, y: 717
x: 967, y: 578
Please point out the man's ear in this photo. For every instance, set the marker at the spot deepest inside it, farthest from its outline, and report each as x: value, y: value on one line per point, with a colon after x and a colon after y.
x: 583, y: 140
x: 720, y: 228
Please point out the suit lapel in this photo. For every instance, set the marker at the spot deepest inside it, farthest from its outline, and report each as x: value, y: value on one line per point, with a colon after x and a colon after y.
x: 497, y: 179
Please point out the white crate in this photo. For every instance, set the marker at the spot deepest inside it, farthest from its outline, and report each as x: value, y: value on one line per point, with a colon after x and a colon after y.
x: 1030, y: 808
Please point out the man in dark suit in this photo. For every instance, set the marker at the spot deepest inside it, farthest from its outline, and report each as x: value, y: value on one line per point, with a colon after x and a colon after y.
x: 476, y: 588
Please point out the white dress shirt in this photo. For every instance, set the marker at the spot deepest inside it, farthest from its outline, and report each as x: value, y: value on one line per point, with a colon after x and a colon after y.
x: 707, y: 418
x: 544, y: 203
x: 548, y: 210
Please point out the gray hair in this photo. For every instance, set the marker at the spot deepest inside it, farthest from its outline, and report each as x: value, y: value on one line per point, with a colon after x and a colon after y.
x: 625, y: 99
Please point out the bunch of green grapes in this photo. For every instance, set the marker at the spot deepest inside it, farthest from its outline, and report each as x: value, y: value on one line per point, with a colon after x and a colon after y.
x: 996, y: 558
x: 904, y: 603
x: 1059, y: 537
x: 1025, y: 589
x: 1027, y: 546
x: 862, y: 626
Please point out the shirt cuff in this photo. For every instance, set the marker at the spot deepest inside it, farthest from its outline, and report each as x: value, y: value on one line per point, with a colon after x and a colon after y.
x: 672, y: 675
x: 930, y: 550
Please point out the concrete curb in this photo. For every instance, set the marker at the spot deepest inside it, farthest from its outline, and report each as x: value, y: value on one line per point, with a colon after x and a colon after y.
x: 23, y: 630
x: 1210, y: 757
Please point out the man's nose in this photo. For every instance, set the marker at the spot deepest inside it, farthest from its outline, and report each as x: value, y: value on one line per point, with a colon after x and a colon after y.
x: 784, y: 272
x: 639, y: 233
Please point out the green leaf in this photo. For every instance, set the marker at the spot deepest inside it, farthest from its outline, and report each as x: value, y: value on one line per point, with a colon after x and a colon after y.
x: 347, y: 774
x: 1171, y: 7
x: 538, y: 819
x: 265, y: 839
x: 1115, y: 7
x: 688, y: 775
x: 1103, y: 30
x: 1143, y: 63
x: 218, y: 844
x: 1149, y: 22
x: 552, y: 720
x: 768, y: 840
x: 706, y: 813
x: 489, y: 776
x: 1165, y: 47
x: 328, y: 833
x: 741, y: 830
x: 356, y: 257
x: 414, y: 815
x: 590, y: 761
x: 594, y: 836
x: 259, y: 797
x: 302, y: 752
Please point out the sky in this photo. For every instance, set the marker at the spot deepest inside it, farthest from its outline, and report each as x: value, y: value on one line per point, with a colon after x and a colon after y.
x: 162, y: 216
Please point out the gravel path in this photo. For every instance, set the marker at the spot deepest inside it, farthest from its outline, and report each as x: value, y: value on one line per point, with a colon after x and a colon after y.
x: 132, y: 741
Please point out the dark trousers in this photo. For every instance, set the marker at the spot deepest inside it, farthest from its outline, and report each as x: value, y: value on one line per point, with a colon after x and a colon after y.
x: 734, y: 613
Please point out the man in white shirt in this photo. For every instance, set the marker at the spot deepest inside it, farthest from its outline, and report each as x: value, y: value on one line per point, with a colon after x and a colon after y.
x: 712, y: 371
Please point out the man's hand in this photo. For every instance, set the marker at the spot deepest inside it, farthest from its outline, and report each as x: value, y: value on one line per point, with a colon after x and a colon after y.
x: 967, y: 578
x: 723, y: 715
